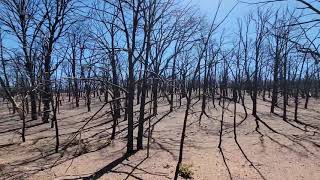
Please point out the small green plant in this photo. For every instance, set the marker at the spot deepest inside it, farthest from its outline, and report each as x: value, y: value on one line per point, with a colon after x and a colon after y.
x: 2, y: 170
x: 185, y: 171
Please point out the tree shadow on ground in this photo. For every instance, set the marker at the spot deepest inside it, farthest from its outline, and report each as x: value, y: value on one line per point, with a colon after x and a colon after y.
x: 108, y: 167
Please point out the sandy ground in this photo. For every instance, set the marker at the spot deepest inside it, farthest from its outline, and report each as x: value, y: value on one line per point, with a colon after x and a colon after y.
x: 290, y: 154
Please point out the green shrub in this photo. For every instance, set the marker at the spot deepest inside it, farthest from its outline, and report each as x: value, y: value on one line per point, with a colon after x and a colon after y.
x: 185, y: 171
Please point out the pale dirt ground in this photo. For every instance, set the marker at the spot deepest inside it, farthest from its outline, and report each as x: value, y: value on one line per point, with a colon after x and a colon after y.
x: 293, y: 154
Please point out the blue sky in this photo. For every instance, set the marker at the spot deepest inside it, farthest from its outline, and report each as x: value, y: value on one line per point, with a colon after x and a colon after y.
x: 230, y: 26
x: 208, y: 8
